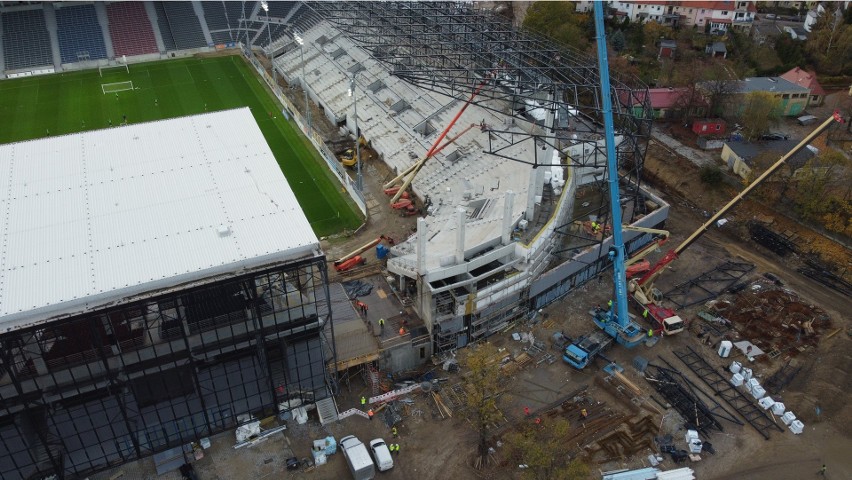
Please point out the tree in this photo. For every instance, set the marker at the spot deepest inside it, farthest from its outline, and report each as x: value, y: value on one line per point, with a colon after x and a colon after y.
x: 618, y: 41
x: 691, y: 101
x: 717, y: 86
x: 541, y: 447
x: 484, y: 384
x: 559, y: 21
x: 827, y: 44
x: 761, y: 112
x: 821, y: 184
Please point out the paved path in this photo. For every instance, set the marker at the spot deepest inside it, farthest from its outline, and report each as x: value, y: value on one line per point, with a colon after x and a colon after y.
x: 698, y: 157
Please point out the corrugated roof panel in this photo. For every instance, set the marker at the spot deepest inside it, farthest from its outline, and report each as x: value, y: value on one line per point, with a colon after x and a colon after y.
x: 102, y: 215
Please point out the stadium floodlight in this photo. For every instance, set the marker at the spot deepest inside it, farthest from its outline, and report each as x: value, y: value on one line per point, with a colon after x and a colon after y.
x: 264, y: 6
x: 301, y: 43
x: 359, y: 182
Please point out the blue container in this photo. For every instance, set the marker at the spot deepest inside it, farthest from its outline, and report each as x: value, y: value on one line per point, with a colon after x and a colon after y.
x: 381, y: 251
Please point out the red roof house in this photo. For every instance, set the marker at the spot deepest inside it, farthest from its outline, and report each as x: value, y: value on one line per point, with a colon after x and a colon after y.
x: 804, y: 78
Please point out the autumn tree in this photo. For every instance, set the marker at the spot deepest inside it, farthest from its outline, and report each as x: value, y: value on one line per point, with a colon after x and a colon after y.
x: 830, y: 43
x: 761, y: 112
x: 559, y: 21
x: 541, y: 449
x: 691, y: 100
x: 484, y: 384
x: 717, y: 85
x: 822, y: 184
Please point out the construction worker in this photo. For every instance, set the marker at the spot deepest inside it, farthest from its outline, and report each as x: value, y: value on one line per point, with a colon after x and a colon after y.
x: 526, y: 411
x: 363, y: 400
x: 401, y: 331
x: 381, y: 324
x: 394, y: 432
x: 645, y: 313
x: 396, y: 448
x: 609, y: 304
x: 650, y: 332
x: 584, y: 413
x: 822, y: 470
x: 370, y: 413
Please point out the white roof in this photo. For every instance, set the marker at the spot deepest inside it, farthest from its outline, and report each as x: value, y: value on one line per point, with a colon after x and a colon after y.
x: 96, y: 217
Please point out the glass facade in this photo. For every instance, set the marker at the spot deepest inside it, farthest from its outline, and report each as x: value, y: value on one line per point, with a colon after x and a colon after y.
x: 85, y: 393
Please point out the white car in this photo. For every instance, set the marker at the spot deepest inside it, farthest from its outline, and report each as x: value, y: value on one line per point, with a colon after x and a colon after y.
x: 381, y: 454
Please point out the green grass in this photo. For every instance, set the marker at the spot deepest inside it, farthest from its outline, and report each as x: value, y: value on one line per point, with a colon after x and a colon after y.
x: 72, y: 102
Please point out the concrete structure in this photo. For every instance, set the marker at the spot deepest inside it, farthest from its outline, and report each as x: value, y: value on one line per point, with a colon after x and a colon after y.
x: 709, y: 127
x: 739, y: 156
x: 667, y: 49
x: 717, y: 49
x: 482, y: 255
x: 804, y: 78
x: 158, y: 281
x: 796, y: 33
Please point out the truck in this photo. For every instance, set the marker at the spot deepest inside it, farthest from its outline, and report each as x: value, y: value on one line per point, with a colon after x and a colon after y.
x: 357, y: 457
x: 581, y: 352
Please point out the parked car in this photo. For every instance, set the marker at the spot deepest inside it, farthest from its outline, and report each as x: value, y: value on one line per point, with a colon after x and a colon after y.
x: 774, y: 136
x: 769, y: 16
x: 381, y: 454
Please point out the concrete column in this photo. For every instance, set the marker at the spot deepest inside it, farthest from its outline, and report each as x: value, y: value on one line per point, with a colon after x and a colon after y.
x: 421, y: 246
x: 199, y: 12
x: 52, y: 32
x: 103, y: 21
x: 508, y: 204
x: 462, y: 216
x: 155, y: 26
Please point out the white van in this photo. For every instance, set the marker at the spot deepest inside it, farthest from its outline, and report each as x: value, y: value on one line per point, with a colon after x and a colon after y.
x: 381, y: 454
x: 359, y: 460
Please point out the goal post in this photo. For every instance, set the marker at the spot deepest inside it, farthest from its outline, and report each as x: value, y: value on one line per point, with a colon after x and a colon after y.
x: 122, y: 66
x: 116, y: 87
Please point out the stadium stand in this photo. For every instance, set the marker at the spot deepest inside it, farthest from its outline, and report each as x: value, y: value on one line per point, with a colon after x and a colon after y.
x: 26, y: 43
x: 214, y: 14
x: 165, y: 29
x: 278, y: 9
x: 80, y: 35
x: 182, y: 29
x: 130, y: 29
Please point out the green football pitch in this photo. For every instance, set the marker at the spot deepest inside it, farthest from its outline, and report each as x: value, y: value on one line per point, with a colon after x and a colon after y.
x: 36, y: 107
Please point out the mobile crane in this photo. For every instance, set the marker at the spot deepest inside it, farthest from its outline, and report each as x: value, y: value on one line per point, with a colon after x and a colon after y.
x: 643, y: 290
x: 616, y: 321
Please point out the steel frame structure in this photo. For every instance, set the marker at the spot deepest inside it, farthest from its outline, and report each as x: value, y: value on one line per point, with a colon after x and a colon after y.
x: 453, y: 49
x: 84, y: 393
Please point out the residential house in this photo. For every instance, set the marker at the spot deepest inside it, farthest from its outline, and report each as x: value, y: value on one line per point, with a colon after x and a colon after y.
x: 794, y: 98
x: 739, y: 156
x: 796, y: 33
x: 667, y: 49
x: 716, y: 49
x: 720, y: 15
x: 666, y: 103
x: 807, y: 79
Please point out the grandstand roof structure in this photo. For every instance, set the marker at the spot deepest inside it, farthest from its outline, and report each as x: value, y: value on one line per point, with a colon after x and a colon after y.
x: 532, y: 103
x: 108, y: 215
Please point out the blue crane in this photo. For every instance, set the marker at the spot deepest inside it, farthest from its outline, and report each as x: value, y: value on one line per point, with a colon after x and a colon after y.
x: 616, y: 321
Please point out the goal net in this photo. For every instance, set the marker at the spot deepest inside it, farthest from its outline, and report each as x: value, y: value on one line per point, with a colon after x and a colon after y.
x: 116, y: 87
x: 112, y: 69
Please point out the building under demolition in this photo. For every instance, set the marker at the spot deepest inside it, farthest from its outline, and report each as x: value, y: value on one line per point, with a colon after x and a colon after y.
x: 158, y: 281
x: 510, y: 201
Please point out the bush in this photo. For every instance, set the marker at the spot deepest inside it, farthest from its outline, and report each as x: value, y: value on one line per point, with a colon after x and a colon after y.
x: 711, y: 175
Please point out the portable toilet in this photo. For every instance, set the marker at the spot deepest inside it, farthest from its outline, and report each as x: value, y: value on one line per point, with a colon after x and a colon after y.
x: 736, y: 367
x: 750, y: 384
x: 766, y: 402
x: 381, y: 251
x: 788, y: 418
x: 725, y: 349
x: 778, y: 408
x: 737, y: 380
x: 797, y: 427
x: 746, y: 373
x: 757, y: 391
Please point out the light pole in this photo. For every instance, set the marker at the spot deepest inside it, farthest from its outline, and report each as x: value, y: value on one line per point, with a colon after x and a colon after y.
x: 301, y: 43
x: 265, y: 7
x: 359, y: 183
